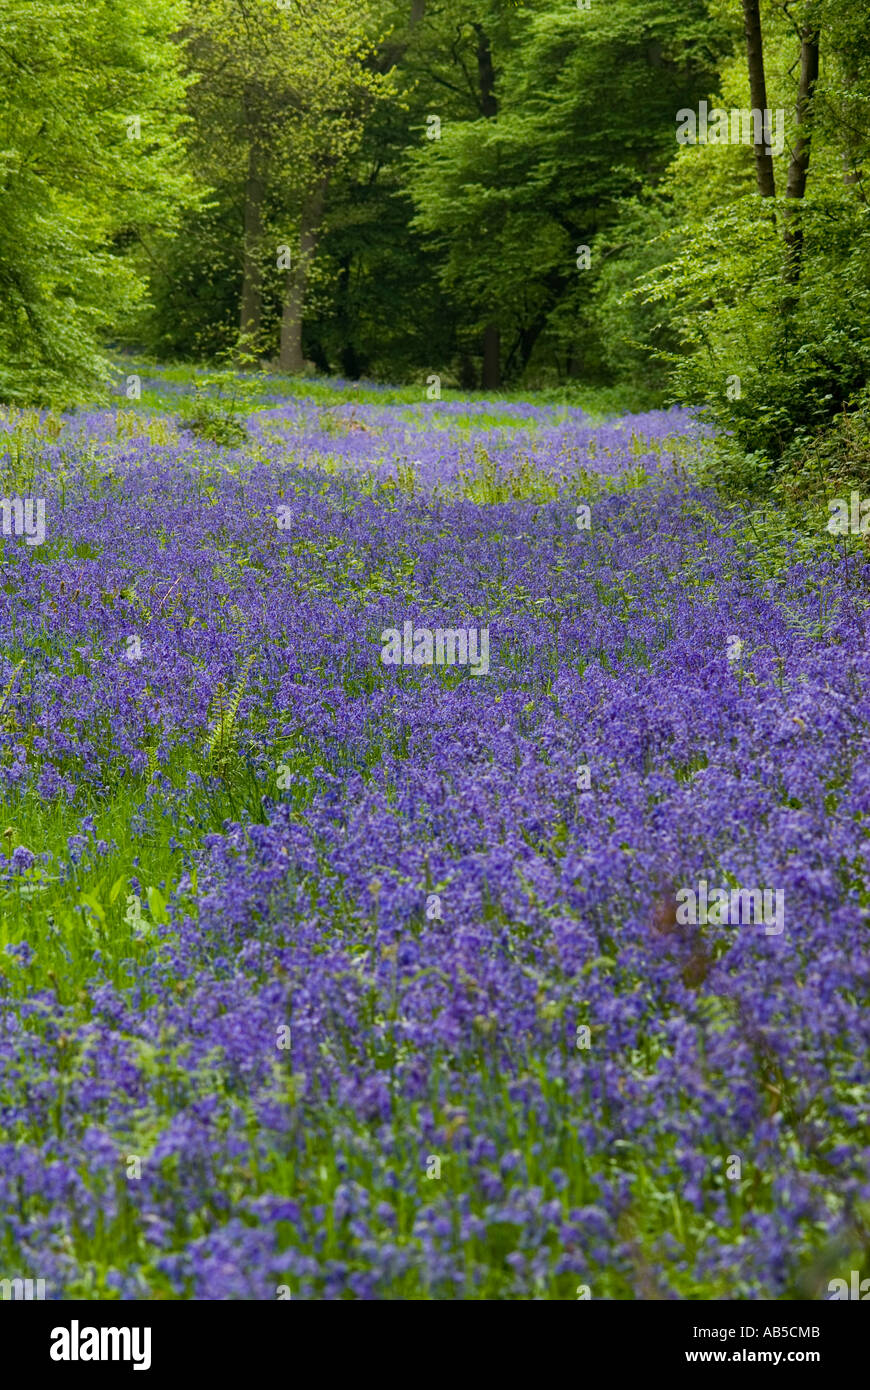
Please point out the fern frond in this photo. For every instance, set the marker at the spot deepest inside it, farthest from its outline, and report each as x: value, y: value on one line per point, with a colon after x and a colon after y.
x: 222, y: 733
x: 152, y: 763
x: 10, y: 687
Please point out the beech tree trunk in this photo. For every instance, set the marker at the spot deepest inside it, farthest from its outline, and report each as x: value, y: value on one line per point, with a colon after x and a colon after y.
x: 290, y: 358
x: 853, y: 174
x: 485, y: 74
x: 251, y: 307
x: 491, y: 358
x: 758, y: 95
x: 800, y: 161
x: 491, y: 379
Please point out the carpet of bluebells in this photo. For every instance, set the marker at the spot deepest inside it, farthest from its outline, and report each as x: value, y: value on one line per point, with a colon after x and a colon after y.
x: 326, y: 978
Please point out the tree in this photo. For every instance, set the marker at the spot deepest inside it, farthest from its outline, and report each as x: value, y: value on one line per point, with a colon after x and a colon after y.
x: 279, y: 97
x: 800, y: 161
x: 758, y: 96
x: 771, y: 306
x: 529, y: 169
x: 91, y: 158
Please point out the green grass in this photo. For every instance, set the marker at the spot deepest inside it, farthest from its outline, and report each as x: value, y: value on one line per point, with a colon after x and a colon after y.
x: 600, y: 402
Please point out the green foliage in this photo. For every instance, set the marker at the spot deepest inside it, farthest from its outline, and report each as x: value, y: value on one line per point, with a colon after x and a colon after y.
x: 556, y: 131
x: 427, y: 242
x: 773, y: 353
x: 77, y: 191
x: 634, y: 339
x: 278, y: 102
x: 222, y: 395
x: 833, y: 462
x: 192, y: 310
x: 225, y: 710
x: 508, y: 198
x: 212, y: 416
x: 771, y: 362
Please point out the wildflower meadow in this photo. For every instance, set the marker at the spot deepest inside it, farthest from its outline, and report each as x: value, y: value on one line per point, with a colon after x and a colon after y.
x: 327, y: 977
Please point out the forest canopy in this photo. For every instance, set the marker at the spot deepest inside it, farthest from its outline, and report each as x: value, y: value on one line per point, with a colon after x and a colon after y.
x: 508, y: 193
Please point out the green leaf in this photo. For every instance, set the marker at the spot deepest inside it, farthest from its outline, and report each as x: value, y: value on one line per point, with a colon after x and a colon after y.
x: 157, y: 906
x: 88, y: 900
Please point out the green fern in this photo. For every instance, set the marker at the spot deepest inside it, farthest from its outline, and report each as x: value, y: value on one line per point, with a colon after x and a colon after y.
x: 132, y: 597
x: 8, y: 691
x: 152, y: 763
x: 221, y: 735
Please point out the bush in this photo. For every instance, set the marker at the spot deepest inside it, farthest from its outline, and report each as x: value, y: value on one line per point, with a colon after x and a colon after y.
x: 772, y: 364
x: 833, y: 463
x: 219, y: 398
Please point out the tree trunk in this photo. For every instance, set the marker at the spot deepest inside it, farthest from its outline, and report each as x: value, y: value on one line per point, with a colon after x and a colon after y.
x: 528, y: 338
x: 485, y: 74
x: 290, y: 357
x: 251, y: 307
x: 491, y: 380
x: 852, y: 175
x: 393, y: 50
x: 758, y: 95
x: 524, y: 345
x: 800, y: 161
